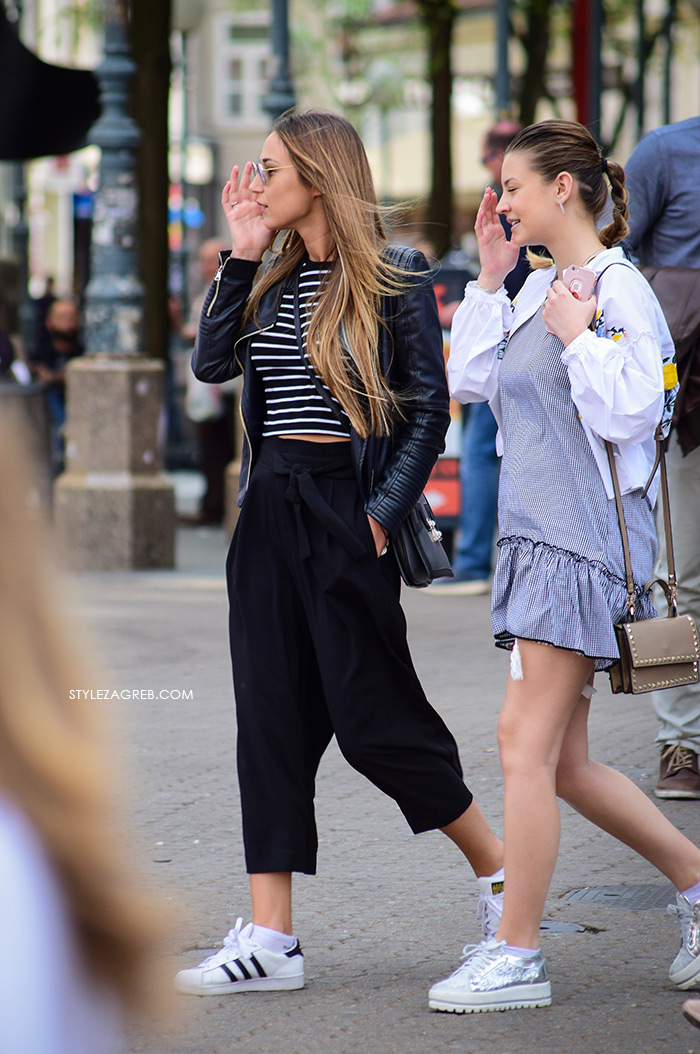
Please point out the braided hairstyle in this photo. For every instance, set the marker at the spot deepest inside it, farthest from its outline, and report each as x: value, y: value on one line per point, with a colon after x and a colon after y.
x: 566, y: 146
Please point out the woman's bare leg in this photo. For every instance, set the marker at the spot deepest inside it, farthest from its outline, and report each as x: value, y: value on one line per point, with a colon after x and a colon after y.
x: 471, y: 833
x: 533, y: 723
x: 271, y: 894
x: 615, y: 804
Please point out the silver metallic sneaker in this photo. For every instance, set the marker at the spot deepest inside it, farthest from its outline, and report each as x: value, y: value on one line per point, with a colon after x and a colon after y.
x: 685, y: 968
x: 491, y: 978
x: 490, y: 907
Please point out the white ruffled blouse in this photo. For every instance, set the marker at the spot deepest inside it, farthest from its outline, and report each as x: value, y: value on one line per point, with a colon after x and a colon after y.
x: 623, y: 376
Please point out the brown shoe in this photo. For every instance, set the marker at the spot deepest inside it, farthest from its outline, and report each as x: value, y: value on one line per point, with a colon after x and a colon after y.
x: 678, y: 775
x: 691, y: 1011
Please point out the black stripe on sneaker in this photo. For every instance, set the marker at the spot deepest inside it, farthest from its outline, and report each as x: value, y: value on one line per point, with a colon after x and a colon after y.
x: 236, y: 962
x: 246, y: 973
x: 258, y: 967
x: 296, y: 950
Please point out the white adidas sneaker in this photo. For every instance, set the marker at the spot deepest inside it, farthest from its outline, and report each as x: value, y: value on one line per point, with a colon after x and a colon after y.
x: 243, y: 965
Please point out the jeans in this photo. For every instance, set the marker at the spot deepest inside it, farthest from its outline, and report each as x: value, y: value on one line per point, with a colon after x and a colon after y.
x: 479, y: 468
x: 678, y: 709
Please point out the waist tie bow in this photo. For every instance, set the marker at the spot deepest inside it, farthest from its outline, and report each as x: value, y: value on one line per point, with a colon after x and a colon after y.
x: 303, y: 490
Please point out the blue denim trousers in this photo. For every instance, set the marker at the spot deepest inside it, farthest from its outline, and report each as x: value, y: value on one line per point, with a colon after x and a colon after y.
x: 479, y: 468
x: 678, y: 709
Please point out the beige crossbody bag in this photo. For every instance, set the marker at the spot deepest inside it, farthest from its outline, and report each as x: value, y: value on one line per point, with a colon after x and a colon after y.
x: 655, y: 653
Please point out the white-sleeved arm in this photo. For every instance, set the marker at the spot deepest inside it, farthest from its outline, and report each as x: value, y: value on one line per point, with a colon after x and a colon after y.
x: 479, y: 329
x: 616, y: 373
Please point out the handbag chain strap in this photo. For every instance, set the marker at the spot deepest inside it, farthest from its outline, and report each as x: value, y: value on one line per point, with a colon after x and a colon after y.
x: 670, y: 587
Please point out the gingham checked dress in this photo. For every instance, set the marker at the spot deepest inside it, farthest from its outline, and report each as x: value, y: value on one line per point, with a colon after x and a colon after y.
x: 559, y: 576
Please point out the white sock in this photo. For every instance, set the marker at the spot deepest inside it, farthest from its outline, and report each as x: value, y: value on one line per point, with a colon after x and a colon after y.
x: 693, y: 893
x: 491, y: 885
x: 523, y: 953
x: 273, y: 940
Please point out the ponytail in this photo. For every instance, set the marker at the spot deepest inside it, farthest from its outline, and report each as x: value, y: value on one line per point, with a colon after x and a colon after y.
x: 617, y: 229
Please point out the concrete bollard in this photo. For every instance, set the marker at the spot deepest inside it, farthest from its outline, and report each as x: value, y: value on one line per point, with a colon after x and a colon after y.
x: 114, y: 509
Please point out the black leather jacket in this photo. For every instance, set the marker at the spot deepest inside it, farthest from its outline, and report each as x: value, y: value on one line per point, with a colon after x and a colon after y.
x: 391, y: 470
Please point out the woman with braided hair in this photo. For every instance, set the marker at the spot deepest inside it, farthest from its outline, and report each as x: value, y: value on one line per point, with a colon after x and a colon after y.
x: 562, y: 375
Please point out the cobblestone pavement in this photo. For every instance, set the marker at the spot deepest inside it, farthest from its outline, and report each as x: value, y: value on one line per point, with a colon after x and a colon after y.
x: 388, y: 913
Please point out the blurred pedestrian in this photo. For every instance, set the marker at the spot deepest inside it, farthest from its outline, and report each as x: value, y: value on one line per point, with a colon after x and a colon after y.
x: 558, y: 388
x: 41, y: 307
x: 60, y: 344
x: 345, y: 409
x: 665, y: 233
x: 48, y: 362
x: 76, y: 933
x: 7, y: 351
x: 211, y: 407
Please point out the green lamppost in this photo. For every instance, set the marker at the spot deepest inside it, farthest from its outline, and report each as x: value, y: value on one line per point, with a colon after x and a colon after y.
x: 281, y: 94
x: 114, y: 507
x: 114, y: 296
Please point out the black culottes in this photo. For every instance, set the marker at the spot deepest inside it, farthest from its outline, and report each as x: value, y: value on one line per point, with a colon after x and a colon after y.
x: 318, y: 643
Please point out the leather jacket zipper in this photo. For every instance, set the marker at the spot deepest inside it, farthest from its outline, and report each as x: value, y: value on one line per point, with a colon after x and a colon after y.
x: 247, y: 336
x: 217, y: 279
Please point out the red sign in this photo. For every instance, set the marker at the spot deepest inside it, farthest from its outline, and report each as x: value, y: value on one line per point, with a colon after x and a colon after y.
x: 443, y: 490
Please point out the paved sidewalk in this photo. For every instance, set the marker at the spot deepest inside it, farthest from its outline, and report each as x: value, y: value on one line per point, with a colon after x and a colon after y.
x: 388, y: 913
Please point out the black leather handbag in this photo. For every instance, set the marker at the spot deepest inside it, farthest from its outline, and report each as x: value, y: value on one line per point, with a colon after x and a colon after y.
x: 417, y: 547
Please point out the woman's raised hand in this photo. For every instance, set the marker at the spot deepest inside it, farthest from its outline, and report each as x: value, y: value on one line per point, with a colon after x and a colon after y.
x: 498, y: 256
x: 249, y: 235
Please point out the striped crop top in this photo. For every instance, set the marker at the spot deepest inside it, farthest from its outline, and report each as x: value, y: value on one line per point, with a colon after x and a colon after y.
x: 293, y: 404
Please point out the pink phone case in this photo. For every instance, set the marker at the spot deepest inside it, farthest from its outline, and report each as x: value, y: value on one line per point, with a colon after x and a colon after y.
x: 580, y: 281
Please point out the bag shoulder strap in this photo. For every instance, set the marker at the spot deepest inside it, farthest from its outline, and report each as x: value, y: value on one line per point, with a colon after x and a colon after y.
x: 670, y: 586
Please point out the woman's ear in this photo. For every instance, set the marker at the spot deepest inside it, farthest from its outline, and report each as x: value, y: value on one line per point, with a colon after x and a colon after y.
x: 563, y: 185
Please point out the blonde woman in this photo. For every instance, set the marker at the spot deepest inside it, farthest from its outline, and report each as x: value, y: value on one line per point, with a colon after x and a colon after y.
x: 76, y: 934
x: 558, y: 389
x: 344, y: 410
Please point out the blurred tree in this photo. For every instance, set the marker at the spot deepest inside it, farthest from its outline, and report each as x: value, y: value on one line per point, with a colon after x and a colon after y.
x: 537, y: 24
x: 532, y: 27
x: 438, y: 19
x: 150, y: 38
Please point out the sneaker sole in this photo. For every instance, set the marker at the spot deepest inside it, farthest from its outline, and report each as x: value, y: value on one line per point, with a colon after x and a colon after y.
x: 686, y: 978
x: 534, y: 996
x: 670, y: 794
x: 260, y: 984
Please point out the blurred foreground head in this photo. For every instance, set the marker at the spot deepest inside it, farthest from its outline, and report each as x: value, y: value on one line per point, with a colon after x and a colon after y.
x: 54, y: 769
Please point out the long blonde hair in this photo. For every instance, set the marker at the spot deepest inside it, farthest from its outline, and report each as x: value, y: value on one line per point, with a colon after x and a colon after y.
x: 53, y: 762
x: 557, y: 146
x: 342, y: 339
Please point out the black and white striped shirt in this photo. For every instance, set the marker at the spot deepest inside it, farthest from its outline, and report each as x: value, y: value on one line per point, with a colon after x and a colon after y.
x: 292, y: 403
